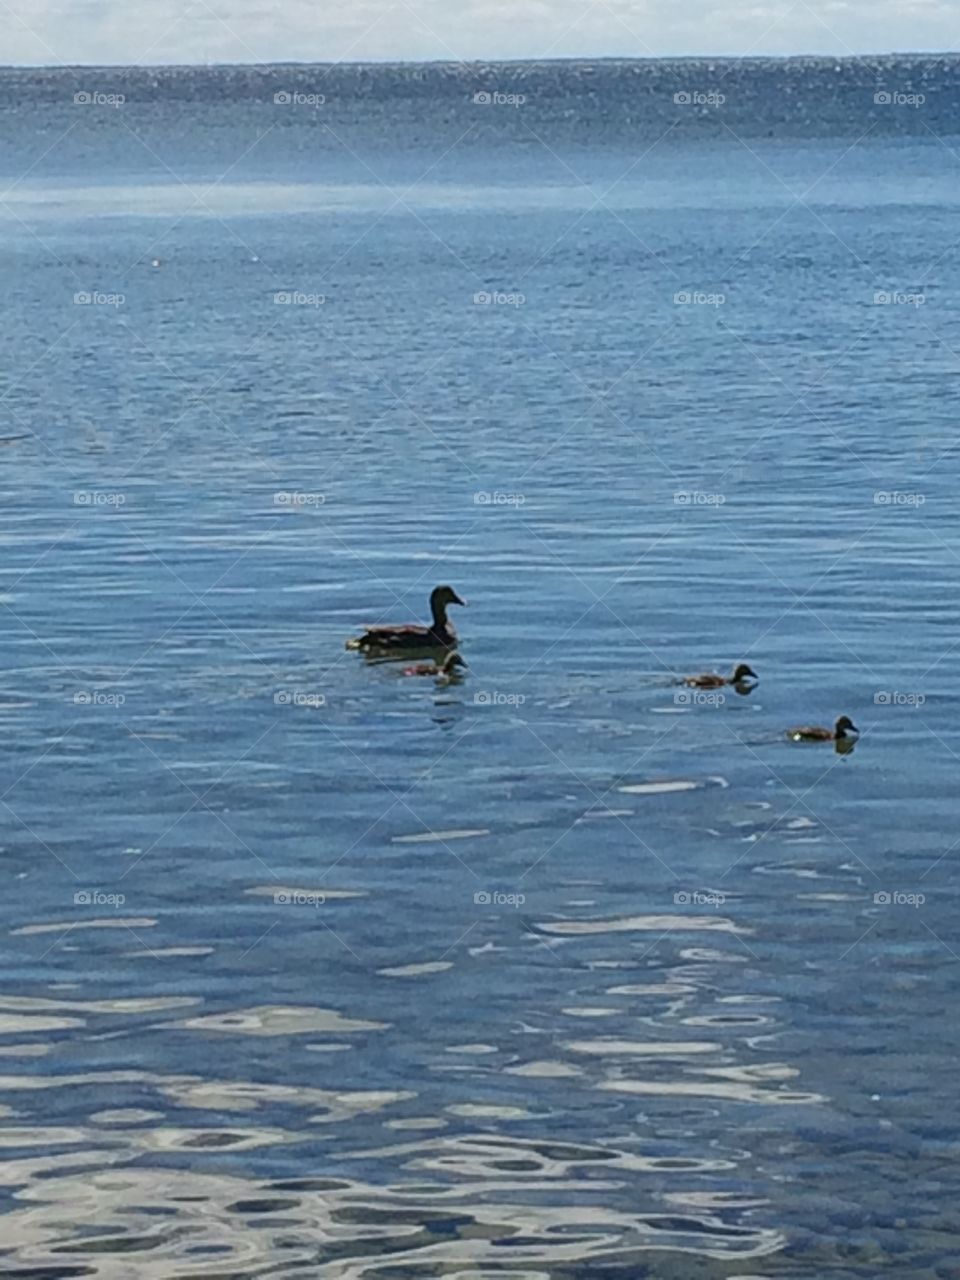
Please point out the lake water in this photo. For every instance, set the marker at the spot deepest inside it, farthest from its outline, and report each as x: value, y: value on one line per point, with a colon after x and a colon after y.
x: 313, y: 969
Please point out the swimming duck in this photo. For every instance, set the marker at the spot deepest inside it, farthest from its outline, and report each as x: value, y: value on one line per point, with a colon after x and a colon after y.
x: 447, y: 669
x: 440, y: 634
x: 843, y: 731
x: 711, y: 680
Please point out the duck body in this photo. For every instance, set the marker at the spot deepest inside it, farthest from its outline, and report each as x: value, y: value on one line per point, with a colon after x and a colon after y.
x: 706, y: 680
x: 413, y: 638
x: 447, y: 669
x: 844, y: 731
x: 740, y: 675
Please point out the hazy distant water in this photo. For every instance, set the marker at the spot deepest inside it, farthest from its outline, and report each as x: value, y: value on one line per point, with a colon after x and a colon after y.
x: 311, y: 969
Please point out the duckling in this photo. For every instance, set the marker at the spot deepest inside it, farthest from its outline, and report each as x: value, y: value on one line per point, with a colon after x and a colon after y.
x: 413, y: 637
x: 844, y: 731
x: 712, y: 680
x: 447, y: 669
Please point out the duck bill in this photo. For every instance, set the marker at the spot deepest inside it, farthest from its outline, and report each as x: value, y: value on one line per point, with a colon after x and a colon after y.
x: 457, y: 600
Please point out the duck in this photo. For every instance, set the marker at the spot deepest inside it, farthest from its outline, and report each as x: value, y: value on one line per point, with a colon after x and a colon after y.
x: 844, y: 731
x: 413, y: 637
x: 712, y: 680
x: 447, y: 669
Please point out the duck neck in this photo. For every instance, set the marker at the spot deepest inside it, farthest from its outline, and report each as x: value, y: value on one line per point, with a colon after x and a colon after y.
x: 439, y: 611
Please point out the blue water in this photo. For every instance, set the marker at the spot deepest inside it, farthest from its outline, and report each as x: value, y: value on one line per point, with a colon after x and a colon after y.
x: 314, y: 969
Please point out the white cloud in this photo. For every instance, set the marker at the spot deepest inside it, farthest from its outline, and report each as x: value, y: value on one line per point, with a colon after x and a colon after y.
x: 153, y: 31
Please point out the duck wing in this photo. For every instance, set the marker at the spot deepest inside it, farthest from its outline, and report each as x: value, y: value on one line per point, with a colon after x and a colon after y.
x: 404, y: 639
x: 410, y: 629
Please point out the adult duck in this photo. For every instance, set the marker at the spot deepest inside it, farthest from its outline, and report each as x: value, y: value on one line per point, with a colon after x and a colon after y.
x: 446, y: 670
x: 843, y: 731
x: 440, y: 634
x: 713, y: 680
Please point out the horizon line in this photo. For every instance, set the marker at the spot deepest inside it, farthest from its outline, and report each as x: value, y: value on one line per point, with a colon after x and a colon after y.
x: 933, y: 54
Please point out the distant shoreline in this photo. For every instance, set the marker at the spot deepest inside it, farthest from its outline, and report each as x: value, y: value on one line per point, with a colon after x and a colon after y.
x: 610, y: 60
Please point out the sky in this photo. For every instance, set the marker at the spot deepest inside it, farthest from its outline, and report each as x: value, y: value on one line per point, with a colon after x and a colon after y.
x: 109, y: 32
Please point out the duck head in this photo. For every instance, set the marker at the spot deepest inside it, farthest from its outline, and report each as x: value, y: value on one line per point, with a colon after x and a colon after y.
x: 440, y: 597
x: 451, y: 662
x: 743, y: 672
x: 845, y: 728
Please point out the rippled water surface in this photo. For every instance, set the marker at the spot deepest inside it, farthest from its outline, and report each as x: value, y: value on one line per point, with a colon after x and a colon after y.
x: 560, y: 971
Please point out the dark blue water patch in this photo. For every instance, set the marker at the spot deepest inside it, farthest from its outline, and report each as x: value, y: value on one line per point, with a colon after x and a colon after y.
x: 802, y: 96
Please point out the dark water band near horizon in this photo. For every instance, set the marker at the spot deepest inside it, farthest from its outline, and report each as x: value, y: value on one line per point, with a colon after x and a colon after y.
x: 560, y: 970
